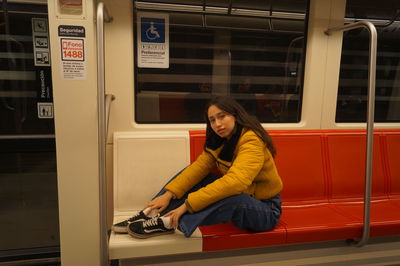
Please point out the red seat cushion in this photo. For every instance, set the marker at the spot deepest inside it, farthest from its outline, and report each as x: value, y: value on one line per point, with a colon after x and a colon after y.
x: 346, y: 156
x: 302, y: 175
x: 393, y: 153
x: 197, y: 140
x: 228, y: 236
x: 318, y: 223
x: 384, y: 216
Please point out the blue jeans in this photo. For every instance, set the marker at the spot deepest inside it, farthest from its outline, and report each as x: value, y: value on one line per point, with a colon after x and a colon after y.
x: 242, y: 210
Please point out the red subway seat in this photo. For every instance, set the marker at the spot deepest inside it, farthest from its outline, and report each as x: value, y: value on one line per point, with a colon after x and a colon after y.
x: 227, y: 236
x: 393, y: 163
x: 323, y: 175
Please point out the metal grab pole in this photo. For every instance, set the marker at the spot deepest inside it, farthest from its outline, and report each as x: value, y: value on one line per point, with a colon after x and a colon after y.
x: 370, y: 120
x: 102, y: 15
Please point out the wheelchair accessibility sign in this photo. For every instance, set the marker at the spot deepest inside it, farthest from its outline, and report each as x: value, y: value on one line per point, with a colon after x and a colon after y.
x: 153, y: 40
x: 153, y: 30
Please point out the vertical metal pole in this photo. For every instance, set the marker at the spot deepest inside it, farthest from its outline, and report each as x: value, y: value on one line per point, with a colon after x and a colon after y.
x: 102, y: 15
x: 370, y: 120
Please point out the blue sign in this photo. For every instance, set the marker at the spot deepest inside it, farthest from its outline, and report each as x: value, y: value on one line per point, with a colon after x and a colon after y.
x: 153, y: 30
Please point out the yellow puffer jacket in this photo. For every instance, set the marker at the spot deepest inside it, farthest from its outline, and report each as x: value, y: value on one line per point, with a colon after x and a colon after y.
x: 252, y: 171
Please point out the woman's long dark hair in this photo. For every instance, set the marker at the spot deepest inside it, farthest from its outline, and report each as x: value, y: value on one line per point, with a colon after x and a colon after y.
x: 232, y: 107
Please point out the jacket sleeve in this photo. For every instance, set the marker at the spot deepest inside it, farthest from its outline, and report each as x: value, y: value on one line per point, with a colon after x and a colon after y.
x: 246, y: 166
x: 192, y: 175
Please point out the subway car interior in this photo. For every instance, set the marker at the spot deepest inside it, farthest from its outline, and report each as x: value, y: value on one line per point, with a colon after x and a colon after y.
x: 102, y: 102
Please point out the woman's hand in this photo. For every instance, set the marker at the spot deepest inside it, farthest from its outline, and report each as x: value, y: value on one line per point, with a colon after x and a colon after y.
x: 161, y: 202
x: 176, y: 215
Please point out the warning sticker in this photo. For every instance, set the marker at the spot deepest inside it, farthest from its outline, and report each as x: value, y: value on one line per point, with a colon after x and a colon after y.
x: 72, y: 49
x: 42, y: 58
x: 41, y: 42
x: 73, y: 70
x: 45, y: 110
x: 72, y: 52
x: 41, y: 47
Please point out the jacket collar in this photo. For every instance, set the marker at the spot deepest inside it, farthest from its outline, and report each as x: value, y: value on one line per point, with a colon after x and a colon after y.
x: 215, y: 142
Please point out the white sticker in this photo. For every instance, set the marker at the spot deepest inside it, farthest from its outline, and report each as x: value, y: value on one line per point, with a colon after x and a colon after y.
x: 45, y: 110
x: 72, y: 52
x: 41, y: 42
x: 73, y: 70
x: 72, y: 49
x: 39, y: 25
x: 41, y: 47
x: 153, y: 40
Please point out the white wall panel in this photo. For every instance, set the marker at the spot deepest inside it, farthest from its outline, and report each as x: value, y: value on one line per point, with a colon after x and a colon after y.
x: 143, y: 163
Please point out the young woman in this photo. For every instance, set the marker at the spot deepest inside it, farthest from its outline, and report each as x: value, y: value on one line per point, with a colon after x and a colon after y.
x: 247, y: 193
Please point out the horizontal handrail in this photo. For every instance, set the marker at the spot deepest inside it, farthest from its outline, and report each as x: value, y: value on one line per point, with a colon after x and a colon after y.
x: 214, y: 10
x: 370, y: 119
x: 42, y: 136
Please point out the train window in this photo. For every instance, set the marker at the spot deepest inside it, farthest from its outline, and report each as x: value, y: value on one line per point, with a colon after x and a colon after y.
x: 353, y: 82
x: 251, y: 50
x: 28, y: 175
x: 25, y: 74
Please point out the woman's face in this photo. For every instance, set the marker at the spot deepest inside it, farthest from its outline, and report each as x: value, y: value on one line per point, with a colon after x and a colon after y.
x: 221, y: 122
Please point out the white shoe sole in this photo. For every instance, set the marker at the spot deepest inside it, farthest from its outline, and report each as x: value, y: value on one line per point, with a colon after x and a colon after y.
x: 119, y: 229
x: 143, y: 236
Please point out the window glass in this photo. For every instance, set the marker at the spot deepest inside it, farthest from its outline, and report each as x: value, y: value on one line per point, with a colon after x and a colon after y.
x: 353, y: 82
x: 29, y: 225
x: 25, y: 74
x: 258, y: 59
x: 28, y: 192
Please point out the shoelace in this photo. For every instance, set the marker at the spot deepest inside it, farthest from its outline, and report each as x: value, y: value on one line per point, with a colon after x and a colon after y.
x: 133, y: 218
x: 151, y: 222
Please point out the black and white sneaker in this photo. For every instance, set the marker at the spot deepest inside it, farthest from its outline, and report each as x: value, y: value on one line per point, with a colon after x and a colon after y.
x: 149, y: 228
x: 121, y: 227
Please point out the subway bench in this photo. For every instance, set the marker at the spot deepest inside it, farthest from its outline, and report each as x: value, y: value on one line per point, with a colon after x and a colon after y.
x: 323, y: 172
